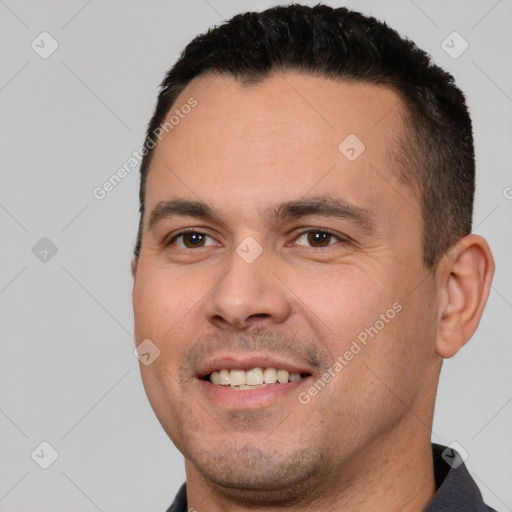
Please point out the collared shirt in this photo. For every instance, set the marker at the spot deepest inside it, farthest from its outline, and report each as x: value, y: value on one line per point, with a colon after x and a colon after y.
x: 456, y: 490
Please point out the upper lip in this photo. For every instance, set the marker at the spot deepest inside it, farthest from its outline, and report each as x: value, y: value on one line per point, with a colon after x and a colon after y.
x: 250, y: 361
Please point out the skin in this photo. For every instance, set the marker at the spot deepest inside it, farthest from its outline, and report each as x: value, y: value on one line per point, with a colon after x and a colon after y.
x: 363, y: 442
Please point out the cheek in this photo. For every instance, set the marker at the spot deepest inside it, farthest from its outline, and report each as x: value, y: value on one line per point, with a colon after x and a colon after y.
x: 398, y: 358
x: 162, y: 309
x: 419, y: 326
x: 370, y: 323
x: 346, y: 300
x: 161, y: 303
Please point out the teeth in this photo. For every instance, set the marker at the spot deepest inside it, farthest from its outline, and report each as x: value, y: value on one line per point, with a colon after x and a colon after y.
x: 282, y: 376
x: 224, y: 377
x: 237, y: 377
x: 270, y: 375
x: 254, y: 377
x: 251, y: 378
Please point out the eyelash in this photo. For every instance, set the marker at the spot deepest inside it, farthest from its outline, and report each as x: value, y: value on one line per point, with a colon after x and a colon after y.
x: 340, y: 238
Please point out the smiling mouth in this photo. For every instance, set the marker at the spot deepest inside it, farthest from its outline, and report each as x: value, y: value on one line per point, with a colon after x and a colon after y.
x: 252, y: 379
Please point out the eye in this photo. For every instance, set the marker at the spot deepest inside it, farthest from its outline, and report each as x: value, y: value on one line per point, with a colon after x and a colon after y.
x: 191, y: 240
x: 318, y: 238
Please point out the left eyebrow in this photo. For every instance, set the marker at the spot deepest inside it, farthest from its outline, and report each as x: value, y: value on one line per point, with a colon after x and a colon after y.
x: 324, y: 206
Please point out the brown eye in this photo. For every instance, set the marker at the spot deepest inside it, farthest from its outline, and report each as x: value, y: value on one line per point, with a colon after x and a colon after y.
x: 317, y: 238
x: 191, y: 240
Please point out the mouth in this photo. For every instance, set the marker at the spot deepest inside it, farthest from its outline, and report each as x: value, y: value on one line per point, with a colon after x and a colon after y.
x: 249, y: 383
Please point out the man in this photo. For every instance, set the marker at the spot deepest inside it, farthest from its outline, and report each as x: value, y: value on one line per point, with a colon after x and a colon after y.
x: 304, y: 264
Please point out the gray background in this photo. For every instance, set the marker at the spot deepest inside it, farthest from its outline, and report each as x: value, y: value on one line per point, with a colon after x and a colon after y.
x: 68, y: 122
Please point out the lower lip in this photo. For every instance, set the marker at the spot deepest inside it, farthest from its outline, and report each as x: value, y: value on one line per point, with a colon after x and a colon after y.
x: 257, y: 398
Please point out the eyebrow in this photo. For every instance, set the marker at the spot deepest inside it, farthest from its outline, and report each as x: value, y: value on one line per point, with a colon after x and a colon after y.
x: 323, y: 206
x: 180, y: 207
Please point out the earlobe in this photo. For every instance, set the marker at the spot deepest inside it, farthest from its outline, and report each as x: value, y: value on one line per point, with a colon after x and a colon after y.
x: 466, y: 272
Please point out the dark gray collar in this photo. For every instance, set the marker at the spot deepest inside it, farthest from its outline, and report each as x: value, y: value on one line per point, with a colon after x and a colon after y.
x: 456, y: 490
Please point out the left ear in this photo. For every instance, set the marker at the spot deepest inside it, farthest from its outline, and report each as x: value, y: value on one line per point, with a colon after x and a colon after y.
x: 465, y: 273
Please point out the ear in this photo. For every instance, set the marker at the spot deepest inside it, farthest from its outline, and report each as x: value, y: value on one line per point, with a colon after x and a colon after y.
x: 134, y: 267
x: 464, y: 273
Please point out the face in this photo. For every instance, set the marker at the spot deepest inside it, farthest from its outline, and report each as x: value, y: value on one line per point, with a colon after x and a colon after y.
x: 267, y: 244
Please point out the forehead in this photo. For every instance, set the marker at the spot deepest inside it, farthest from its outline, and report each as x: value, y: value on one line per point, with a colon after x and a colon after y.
x: 286, y: 106
x: 280, y: 139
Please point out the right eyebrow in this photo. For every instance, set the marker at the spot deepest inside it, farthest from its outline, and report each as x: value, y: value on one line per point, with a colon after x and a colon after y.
x: 185, y: 208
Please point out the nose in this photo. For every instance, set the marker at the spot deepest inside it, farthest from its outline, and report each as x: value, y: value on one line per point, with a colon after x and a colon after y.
x: 248, y: 295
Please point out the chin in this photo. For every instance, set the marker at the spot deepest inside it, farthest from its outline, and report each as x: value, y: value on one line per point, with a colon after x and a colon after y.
x: 263, y: 478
